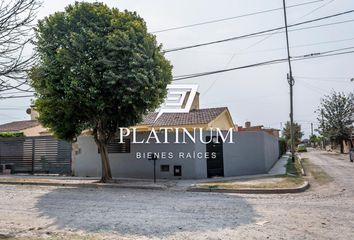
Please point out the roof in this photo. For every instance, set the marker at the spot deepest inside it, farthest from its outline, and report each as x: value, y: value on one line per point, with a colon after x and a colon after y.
x: 18, y: 125
x: 196, y: 116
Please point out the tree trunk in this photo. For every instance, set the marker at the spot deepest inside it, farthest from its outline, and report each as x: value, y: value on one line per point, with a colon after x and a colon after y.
x: 341, y: 147
x: 106, y: 169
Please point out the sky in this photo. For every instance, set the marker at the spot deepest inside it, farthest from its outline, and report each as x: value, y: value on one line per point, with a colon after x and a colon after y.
x: 260, y: 94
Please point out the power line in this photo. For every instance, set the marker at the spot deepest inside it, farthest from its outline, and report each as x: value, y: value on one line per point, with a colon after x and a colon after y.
x: 7, y: 109
x: 262, y: 40
x: 292, y: 47
x: 23, y: 96
x: 256, y: 33
x: 235, y: 17
x: 300, y: 29
x: 323, y: 78
x: 271, y: 62
x: 272, y: 34
x: 322, y: 53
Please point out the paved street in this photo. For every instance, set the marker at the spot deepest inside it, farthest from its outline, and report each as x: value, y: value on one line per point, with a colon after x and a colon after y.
x: 323, y: 212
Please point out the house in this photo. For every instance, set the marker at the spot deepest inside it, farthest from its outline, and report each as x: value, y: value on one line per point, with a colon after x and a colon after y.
x: 29, y: 128
x: 37, y: 152
x: 201, y: 143
x: 196, y: 118
x: 248, y: 128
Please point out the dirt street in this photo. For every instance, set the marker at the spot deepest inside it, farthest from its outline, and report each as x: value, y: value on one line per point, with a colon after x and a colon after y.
x: 323, y: 212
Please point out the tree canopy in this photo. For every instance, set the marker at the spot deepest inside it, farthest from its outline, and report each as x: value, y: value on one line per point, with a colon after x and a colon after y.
x: 297, y: 133
x: 336, y: 117
x: 98, y: 69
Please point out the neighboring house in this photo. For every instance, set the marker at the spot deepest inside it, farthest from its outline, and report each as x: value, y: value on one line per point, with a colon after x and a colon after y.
x: 29, y: 128
x: 260, y: 128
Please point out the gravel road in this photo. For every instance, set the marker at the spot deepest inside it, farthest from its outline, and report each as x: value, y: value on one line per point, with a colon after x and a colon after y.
x: 323, y: 212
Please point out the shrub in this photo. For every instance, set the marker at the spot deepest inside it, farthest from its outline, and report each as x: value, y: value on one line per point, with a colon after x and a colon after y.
x: 11, y: 134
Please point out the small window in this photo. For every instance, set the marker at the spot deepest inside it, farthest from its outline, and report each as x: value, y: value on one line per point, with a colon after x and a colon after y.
x: 165, y: 168
x: 116, y: 147
x: 177, y: 171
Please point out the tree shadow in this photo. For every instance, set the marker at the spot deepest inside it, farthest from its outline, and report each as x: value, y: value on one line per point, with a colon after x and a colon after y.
x: 146, y: 213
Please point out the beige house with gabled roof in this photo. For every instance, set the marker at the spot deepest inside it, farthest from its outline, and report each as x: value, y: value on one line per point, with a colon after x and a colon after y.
x: 196, y: 118
x: 30, y: 128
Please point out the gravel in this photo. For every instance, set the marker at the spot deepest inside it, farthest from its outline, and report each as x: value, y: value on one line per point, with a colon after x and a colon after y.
x: 323, y: 212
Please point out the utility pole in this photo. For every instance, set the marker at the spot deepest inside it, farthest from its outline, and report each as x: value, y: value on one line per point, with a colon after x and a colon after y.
x: 291, y: 84
x: 313, y: 144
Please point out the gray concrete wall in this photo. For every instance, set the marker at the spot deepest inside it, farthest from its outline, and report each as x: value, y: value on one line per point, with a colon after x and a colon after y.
x: 271, y: 151
x: 246, y: 156
x: 251, y: 153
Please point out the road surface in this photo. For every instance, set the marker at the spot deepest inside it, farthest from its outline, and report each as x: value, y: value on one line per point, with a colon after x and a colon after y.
x: 323, y: 212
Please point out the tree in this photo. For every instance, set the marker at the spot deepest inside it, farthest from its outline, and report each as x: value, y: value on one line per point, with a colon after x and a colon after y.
x: 99, y: 69
x: 315, y: 140
x: 297, y: 133
x: 336, y: 117
x: 16, y: 32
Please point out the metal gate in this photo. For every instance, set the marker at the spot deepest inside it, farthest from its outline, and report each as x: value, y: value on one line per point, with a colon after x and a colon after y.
x: 42, y: 154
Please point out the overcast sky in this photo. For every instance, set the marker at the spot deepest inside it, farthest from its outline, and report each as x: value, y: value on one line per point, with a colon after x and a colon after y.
x: 259, y: 95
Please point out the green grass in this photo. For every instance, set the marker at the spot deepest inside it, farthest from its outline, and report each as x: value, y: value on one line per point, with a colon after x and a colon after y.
x: 293, y: 168
x: 277, y: 182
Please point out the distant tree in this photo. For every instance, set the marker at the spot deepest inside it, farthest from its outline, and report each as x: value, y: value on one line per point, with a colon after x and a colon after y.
x: 336, y: 117
x: 16, y: 32
x: 99, y: 69
x: 297, y: 133
x: 315, y: 140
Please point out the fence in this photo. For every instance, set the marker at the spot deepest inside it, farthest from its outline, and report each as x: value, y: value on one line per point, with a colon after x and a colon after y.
x: 43, y: 154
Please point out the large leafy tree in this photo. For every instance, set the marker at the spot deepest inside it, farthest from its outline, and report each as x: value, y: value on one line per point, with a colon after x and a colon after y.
x: 297, y: 132
x: 99, y: 69
x: 336, y: 117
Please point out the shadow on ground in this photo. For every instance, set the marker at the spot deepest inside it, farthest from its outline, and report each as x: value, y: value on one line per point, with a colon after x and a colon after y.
x: 142, y: 212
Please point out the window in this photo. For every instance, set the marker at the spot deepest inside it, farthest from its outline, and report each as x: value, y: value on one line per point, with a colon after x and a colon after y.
x: 116, y: 147
x: 177, y: 171
x: 164, y: 168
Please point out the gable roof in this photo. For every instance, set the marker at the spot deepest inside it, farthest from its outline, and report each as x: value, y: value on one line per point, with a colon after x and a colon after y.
x: 196, y: 116
x: 18, y: 125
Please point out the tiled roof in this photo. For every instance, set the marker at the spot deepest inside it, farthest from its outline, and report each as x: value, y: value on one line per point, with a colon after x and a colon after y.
x: 197, y: 116
x: 18, y: 126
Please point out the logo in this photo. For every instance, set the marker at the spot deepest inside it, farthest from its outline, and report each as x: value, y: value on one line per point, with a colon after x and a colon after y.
x: 179, y: 98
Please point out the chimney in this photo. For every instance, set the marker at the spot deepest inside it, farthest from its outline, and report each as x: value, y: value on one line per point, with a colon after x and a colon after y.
x: 247, y: 124
x: 32, y: 112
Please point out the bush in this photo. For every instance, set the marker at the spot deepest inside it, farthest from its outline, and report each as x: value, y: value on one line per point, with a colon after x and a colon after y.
x: 11, y: 134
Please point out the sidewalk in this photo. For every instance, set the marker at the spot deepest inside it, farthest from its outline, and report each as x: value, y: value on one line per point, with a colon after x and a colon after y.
x: 161, y: 184
x: 46, y: 180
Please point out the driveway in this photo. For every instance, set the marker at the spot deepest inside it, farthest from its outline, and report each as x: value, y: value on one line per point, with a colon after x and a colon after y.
x: 323, y: 212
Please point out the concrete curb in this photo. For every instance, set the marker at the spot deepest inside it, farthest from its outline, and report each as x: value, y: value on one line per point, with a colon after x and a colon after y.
x: 300, y: 189
x: 85, y: 185
x: 303, y: 173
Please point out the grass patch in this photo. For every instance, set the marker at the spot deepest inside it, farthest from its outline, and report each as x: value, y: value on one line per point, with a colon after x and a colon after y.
x: 320, y: 176
x: 264, y: 183
x: 293, y: 168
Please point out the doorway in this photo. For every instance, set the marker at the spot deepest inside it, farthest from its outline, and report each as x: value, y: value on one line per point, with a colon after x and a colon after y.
x: 215, y: 160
